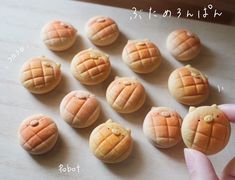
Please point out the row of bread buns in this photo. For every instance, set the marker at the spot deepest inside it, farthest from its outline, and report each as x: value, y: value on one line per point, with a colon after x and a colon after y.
x: 40, y: 75
x: 205, y: 128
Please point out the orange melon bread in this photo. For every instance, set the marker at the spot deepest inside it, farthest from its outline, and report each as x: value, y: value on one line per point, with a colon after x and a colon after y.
x: 110, y: 142
x: 38, y: 134
x: 58, y: 35
x: 142, y: 56
x: 206, y: 129
x: 101, y: 30
x: 188, y: 85
x: 91, y: 66
x: 162, y: 127
x: 125, y: 94
x: 183, y: 44
x: 80, y: 109
x: 40, y: 75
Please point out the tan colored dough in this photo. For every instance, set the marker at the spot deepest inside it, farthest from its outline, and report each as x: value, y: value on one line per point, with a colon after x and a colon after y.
x: 58, y: 35
x: 162, y: 127
x: 38, y: 134
x: 188, y: 85
x: 40, y: 75
x: 101, y: 30
x: 142, y: 56
x: 206, y: 129
x: 110, y: 142
x: 91, y: 66
x: 125, y: 94
x: 183, y: 44
x: 80, y: 109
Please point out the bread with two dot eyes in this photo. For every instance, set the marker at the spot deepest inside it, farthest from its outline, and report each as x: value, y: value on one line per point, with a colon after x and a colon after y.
x: 102, y: 30
x: 142, y: 56
x: 206, y: 129
x: 58, y: 35
x: 110, y: 142
x: 183, y: 44
x: 162, y: 127
x: 188, y: 85
x: 91, y: 66
x: 80, y: 109
x: 38, y: 134
x: 40, y: 75
x: 125, y: 94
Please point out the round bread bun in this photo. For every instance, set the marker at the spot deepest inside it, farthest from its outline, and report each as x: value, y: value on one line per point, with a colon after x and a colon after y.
x: 125, y: 94
x: 91, y: 66
x: 80, y: 109
x: 101, y: 30
x: 58, y: 35
x: 38, y: 134
x: 183, y: 44
x: 110, y: 142
x: 188, y: 85
x: 142, y: 56
x: 206, y: 129
x: 162, y: 127
x: 40, y: 75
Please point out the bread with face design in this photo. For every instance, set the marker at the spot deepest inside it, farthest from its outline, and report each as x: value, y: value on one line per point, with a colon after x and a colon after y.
x: 110, y: 142
x: 162, y: 127
x: 125, y: 94
x: 206, y: 129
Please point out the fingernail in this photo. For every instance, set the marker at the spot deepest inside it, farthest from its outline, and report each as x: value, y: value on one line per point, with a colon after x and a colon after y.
x: 190, y: 160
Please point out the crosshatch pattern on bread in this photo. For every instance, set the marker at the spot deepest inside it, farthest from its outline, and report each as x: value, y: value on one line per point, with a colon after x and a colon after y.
x: 206, y: 129
x: 162, y: 126
x: 58, y: 35
x: 110, y: 142
x: 91, y: 66
x: 183, y: 44
x: 102, y: 30
x: 188, y: 85
x: 125, y: 94
x: 80, y: 109
x: 40, y: 75
x: 38, y: 134
x: 142, y: 56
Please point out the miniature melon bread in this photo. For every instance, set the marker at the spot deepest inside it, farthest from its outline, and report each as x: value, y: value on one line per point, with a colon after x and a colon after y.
x: 206, y: 129
x: 110, y: 142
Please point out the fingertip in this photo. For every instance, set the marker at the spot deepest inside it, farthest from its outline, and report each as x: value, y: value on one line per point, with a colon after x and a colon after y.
x: 229, y: 110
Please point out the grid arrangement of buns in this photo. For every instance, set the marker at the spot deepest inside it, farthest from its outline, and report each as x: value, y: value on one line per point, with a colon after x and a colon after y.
x: 110, y: 142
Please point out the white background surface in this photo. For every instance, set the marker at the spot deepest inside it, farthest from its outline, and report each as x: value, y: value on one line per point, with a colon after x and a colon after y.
x: 20, y: 26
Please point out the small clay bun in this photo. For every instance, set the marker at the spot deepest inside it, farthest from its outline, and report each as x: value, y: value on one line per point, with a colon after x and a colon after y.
x: 101, y: 30
x: 142, y: 56
x: 126, y: 94
x: 206, y: 129
x: 183, y: 44
x: 110, y: 142
x: 162, y: 126
x: 188, y: 85
x: 80, y: 109
x: 40, y: 75
x: 38, y: 134
x: 58, y: 35
x: 91, y: 66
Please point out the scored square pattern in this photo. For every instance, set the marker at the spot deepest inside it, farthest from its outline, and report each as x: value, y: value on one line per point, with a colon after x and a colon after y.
x: 192, y: 85
x: 92, y: 67
x: 167, y: 125
x: 207, y: 139
x: 107, y: 28
x: 39, y: 74
x: 144, y: 54
x: 58, y: 32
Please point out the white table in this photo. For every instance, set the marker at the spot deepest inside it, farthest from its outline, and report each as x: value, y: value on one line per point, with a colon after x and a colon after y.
x: 20, y: 26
